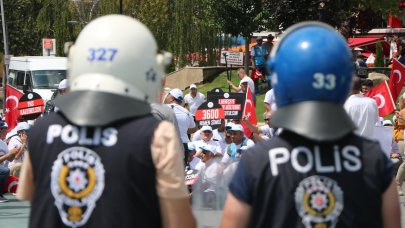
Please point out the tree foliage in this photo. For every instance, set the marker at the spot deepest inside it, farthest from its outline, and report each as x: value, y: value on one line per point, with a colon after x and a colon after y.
x: 23, y: 38
x: 379, y: 60
x: 184, y: 27
x: 349, y: 16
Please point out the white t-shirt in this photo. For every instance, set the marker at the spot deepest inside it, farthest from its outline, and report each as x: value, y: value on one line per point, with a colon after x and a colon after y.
x: 250, y: 82
x: 3, y: 150
x: 364, y: 113
x: 210, y: 173
x: 267, y: 131
x: 223, y: 144
x: 194, y: 162
x: 393, y: 48
x: 218, y: 135
x: 15, y: 142
x: 270, y: 99
x: 195, y: 102
x: 227, y: 159
x: 184, y: 120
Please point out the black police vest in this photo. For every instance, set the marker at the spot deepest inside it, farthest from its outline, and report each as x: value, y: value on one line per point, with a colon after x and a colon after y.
x: 93, y: 177
x: 296, y: 182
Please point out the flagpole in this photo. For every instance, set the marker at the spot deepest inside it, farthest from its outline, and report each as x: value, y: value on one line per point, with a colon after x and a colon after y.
x: 389, y: 92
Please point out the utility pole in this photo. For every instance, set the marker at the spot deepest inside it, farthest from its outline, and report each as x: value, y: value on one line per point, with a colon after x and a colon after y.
x: 121, y: 7
x: 6, y: 54
x: 5, y: 41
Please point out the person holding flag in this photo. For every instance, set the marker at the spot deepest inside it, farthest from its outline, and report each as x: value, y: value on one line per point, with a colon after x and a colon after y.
x: 383, y: 97
x: 11, y: 113
x: 249, y: 112
x: 362, y: 110
x: 245, y: 81
x: 397, y: 79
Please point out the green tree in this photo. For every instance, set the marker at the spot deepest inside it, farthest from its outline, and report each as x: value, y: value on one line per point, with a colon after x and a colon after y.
x: 20, y: 19
x: 241, y: 17
x: 52, y: 22
x: 379, y: 60
x: 347, y: 15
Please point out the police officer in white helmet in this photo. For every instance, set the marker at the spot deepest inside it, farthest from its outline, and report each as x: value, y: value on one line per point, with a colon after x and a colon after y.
x: 103, y: 160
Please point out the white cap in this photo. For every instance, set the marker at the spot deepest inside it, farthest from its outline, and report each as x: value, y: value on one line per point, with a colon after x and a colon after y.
x: 237, y: 127
x: 229, y: 125
x: 177, y: 94
x: 23, y: 126
x: 243, y: 148
x: 387, y: 123
x: 206, y: 128
x: 208, y: 148
x: 63, y: 84
x: 193, y: 86
x: 11, y: 133
x: 190, y: 146
x: 403, y: 95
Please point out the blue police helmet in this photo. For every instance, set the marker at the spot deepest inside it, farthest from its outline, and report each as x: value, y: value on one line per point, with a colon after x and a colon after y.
x: 312, y: 73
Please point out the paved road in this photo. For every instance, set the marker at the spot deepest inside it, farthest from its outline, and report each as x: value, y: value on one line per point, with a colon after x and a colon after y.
x: 14, y: 214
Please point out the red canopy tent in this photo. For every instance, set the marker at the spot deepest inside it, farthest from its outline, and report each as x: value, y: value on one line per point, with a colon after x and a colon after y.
x: 368, y: 44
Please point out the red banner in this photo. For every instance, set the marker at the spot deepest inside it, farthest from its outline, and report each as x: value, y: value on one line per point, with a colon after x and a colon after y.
x: 381, y: 94
x: 29, y: 104
x: 397, y: 79
x: 249, y: 112
x: 11, y: 113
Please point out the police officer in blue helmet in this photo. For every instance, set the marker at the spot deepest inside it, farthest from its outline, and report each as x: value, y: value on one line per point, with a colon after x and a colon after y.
x: 316, y: 172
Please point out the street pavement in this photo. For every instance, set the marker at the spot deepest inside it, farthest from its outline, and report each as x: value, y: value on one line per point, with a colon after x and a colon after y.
x: 14, y: 214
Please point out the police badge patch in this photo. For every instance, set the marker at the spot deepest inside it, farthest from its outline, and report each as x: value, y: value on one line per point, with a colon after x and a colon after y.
x: 77, y: 182
x: 319, y: 201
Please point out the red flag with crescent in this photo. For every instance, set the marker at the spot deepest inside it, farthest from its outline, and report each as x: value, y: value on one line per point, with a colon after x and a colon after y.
x: 11, y: 113
x: 250, y: 112
x: 382, y: 95
x: 397, y: 79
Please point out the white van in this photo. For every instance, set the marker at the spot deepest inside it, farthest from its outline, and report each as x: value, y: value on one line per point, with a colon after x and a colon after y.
x: 40, y: 74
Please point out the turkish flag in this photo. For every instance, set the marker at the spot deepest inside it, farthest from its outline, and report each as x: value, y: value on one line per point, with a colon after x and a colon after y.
x: 11, y: 113
x: 382, y: 95
x: 250, y: 112
x: 397, y: 78
x: 10, y: 185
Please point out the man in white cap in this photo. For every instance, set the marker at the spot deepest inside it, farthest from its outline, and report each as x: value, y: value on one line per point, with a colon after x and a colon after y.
x: 233, y: 152
x: 210, y: 173
x: 206, y: 135
x: 194, y: 99
x: 18, y: 141
x: 184, y: 118
x: 63, y: 86
x: 6, y: 155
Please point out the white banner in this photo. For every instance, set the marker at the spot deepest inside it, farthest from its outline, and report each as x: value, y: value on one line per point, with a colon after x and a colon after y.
x: 232, y: 57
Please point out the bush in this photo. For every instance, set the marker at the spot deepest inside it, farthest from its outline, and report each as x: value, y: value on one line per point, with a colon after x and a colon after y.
x: 379, y: 60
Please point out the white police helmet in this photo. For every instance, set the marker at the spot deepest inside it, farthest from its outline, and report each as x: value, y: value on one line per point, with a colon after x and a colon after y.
x: 115, y: 71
